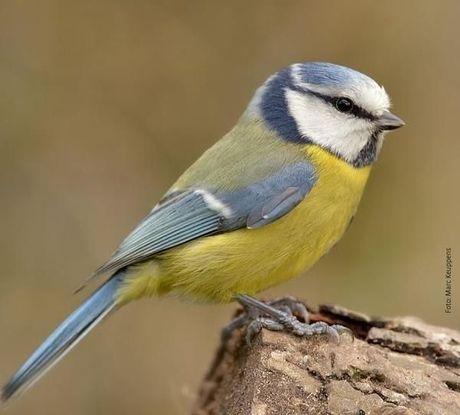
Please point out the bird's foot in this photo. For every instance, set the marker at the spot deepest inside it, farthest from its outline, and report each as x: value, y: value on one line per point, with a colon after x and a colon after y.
x: 280, y: 315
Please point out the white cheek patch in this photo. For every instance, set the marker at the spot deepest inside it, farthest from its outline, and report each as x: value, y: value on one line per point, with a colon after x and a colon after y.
x: 317, y: 120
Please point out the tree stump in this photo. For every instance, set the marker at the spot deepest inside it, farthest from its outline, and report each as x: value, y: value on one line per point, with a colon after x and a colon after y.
x: 399, y: 366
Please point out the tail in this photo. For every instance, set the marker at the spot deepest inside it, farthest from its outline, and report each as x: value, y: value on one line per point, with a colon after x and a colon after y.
x: 65, y: 337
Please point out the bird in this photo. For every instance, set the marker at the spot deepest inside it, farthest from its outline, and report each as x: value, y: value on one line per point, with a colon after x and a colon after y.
x: 259, y: 207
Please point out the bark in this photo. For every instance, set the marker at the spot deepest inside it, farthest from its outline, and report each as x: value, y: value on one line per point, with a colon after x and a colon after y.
x: 399, y: 366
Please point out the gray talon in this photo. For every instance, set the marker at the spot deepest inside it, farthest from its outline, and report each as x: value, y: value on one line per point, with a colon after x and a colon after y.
x: 255, y: 326
x: 279, y: 315
x: 235, y: 324
x: 294, y: 306
x: 343, y: 330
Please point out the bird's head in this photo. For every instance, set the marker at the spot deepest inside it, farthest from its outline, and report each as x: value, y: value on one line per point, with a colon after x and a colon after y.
x: 335, y: 107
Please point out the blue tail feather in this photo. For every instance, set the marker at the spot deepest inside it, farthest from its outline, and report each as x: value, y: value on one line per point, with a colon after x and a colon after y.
x: 67, y: 335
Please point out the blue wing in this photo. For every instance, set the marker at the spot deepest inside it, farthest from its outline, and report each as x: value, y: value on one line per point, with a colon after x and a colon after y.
x: 193, y: 213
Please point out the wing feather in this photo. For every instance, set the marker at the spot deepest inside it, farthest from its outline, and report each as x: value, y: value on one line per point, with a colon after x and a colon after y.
x: 185, y: 217
x: 193, y: 213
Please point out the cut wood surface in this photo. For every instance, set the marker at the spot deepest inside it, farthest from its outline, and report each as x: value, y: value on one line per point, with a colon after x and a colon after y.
x: 399, y: 366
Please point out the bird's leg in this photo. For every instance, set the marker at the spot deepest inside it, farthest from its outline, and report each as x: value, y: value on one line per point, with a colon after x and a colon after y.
x: 279, y: 315
x: 254, y: 321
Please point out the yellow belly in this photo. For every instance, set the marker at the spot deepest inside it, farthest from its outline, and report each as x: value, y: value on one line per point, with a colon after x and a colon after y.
x: 247, y: 261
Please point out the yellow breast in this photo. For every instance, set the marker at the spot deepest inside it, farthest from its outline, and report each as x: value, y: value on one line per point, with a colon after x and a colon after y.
x: 247, y: 261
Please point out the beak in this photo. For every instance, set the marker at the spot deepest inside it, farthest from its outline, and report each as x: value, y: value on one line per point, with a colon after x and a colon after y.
x: 388, y: 121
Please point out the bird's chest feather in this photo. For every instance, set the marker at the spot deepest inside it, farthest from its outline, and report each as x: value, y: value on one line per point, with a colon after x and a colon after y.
x: 250, y: 260
x: 322, y: 218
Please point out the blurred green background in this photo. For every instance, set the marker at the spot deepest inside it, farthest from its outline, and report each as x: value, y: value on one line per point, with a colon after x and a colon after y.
x: 103, y: 104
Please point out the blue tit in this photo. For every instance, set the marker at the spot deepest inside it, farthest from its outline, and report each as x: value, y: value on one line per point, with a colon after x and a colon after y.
x: 259, y: 207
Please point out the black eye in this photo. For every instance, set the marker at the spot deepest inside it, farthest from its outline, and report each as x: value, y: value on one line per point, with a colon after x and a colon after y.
x: 344, y: 104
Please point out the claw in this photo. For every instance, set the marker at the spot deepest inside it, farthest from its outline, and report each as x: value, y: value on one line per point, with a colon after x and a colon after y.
x: 258, y: 324
x: 342, y: 330
x: 235, y: 324
x: 280, y: 315
x: 253, y: 329
x: 294, y: 306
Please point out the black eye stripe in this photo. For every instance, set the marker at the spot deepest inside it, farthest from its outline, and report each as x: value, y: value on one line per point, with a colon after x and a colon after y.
x: 356, y: 110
